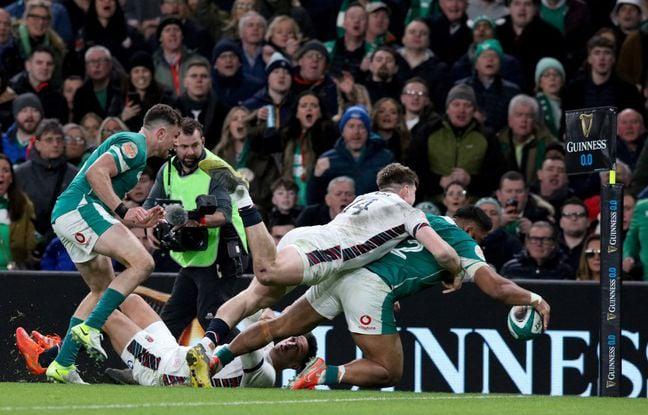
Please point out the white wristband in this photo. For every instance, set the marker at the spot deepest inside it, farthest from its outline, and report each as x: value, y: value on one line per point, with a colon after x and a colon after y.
x: 535, y: 299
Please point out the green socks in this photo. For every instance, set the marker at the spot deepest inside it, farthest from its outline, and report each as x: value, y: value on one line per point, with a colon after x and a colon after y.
x: 108, y: 303
x: 69, y: 348
x: 331, y: 375
x: 225, y: 355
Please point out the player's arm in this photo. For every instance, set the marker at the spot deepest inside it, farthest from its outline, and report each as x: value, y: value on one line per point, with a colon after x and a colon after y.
x: 508, y: 292
x: 223, y: 213
x: 444, y: 254
x: 98, y: 176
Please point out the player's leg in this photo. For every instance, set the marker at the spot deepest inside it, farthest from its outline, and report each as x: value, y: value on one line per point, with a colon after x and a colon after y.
x: 297, y: 319
x: 269, y: 267
x: 382, y: 362
x: 97, y: 274
x: 119, y: 243
x: 246, y: 303
x: 367, y: 302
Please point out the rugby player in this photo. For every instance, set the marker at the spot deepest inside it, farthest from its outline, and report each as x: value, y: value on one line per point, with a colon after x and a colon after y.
x: 364, y: 231
x: 367, y: 295
x: 83, y: 219
x: 147, y: 347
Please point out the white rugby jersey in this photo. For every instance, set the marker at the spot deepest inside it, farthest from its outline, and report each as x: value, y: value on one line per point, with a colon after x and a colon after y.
x: 368, y: 228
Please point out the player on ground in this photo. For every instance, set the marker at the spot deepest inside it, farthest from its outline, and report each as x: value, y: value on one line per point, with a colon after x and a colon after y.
x: 363, y: 232
x: 367, y: 295
x: 83, y: 221
x: 149, y: 349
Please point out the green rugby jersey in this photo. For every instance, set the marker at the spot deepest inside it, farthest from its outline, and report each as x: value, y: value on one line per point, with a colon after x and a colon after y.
x: 128, y: 150
x: 410, y: 268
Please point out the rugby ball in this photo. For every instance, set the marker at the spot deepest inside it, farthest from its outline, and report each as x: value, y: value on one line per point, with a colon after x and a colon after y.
x: 524, y: 322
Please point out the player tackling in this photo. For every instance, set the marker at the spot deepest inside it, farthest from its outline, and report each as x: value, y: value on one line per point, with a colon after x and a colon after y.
x: 367, y: 295
x: 364, y: 231
x: 83, y: 220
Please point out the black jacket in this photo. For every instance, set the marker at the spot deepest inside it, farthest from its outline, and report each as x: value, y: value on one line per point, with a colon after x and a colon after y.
x: 523, y: 266
x: 499, y: 247
x: 448, y: 46
x: 85, y: 101
x: 313, y: 215
x: 211, y: 114
x: 54, y: 103
x: 37, y: 177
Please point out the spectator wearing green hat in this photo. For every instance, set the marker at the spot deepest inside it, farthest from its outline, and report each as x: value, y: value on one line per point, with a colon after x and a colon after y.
x: 493, y: 93
x: 483, y: 28
x: 549, y: 81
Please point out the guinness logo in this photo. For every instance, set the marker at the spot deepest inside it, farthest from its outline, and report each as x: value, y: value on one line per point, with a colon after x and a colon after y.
x: 610, y: 316
x: 610, y: 384
x: 586, y: 123
x: 611, y: 249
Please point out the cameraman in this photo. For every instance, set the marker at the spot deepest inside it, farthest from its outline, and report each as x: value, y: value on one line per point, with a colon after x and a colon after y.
x: 208, y: 277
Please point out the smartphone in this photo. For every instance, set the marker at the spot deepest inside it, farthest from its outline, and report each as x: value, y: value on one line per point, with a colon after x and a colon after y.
x: 512, y: 202
x: 134, y: 97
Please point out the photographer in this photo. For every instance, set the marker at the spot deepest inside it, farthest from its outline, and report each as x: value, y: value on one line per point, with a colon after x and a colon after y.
x: 207, y: 278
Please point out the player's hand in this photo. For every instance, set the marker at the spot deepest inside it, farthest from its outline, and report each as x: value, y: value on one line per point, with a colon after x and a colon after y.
x: 545, y: 311
x: 321, y: 166
x: 155, y: 216
x: 455, y: 285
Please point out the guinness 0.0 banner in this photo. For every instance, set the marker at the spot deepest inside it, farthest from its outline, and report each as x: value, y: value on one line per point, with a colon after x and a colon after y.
x: 590, y: 143
x: 610, y: 335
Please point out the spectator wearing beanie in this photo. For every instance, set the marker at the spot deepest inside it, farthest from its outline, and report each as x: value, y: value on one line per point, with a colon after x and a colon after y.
x: 626, y: 16
x: 549, y: 81
x: 37, y: 79
x: 483, y: 28
x: 28, y: 113
x: 356, y: 154
x: 230, y: 84
x: 277, y: 93
x: 311, y: 75
x: 493, y: 93
x: 171, y: 58
x: 141, y: 93
x: 455, y: 149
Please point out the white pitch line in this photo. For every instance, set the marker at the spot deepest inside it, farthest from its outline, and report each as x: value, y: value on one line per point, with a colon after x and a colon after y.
x: 240, y: 403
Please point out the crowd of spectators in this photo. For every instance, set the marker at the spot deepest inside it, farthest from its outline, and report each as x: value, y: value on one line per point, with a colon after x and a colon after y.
x: 310, y: 98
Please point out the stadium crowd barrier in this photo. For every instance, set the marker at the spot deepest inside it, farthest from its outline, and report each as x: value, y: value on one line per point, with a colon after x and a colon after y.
x: 452, y: 343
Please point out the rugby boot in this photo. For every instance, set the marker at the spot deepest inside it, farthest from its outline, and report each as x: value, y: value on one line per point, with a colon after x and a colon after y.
x: 90, y: 338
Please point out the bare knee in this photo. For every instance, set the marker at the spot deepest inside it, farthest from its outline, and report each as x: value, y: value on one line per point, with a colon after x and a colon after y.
x: 143, y: 262
x: 132, y: 302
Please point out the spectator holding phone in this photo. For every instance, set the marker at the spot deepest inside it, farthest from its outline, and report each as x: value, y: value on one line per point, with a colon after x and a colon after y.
x: 142, y: 91
x: 520, y: 208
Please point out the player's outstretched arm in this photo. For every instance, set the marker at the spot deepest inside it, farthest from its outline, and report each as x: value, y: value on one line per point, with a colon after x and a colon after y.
x: 508, y: 292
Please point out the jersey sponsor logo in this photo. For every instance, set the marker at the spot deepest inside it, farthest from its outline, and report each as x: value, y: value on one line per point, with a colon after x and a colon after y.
x: 365, y: 320
x: 80, y: 238
x: 129, y: 150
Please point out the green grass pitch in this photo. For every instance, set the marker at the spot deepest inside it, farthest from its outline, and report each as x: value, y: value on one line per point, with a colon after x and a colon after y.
x: 40, y: 398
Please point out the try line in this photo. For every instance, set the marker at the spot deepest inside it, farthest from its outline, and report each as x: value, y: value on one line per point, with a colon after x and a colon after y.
x: 240, y: 403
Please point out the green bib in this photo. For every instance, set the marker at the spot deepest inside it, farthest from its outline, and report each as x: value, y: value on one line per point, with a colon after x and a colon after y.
x: 186, y: 189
